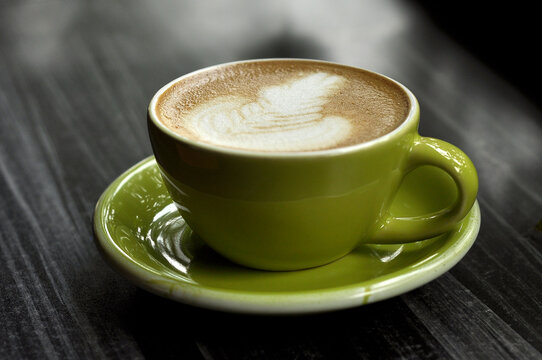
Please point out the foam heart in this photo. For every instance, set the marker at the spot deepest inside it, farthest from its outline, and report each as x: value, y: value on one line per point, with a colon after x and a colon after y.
x: 286, y: 117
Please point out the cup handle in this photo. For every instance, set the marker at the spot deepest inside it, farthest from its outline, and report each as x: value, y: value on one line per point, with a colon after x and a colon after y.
x: 434, y: 152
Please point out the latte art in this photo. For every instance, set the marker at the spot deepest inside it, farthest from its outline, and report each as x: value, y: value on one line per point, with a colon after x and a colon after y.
x: 282, y: 105
x: 285, y: 117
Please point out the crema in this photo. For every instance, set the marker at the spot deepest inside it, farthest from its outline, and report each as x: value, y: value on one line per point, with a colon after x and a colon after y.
x: 283, y: 106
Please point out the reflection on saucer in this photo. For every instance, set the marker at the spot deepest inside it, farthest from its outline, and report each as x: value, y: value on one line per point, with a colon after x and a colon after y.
x: 140, y: 232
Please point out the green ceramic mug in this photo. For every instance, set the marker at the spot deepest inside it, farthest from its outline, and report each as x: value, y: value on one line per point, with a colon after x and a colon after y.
x: 296, y: 210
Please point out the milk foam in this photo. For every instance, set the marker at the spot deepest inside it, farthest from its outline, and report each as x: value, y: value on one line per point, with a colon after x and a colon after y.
x: 286, y: 117
x: 282, y: 105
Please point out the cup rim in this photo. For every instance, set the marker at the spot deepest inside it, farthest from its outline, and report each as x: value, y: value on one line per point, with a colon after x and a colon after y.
x: 411, y: 116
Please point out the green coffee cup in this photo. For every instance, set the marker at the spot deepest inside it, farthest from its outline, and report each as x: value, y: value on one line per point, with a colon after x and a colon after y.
x: 301, y: 209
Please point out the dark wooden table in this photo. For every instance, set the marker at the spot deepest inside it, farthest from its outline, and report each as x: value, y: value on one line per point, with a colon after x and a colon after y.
x: 75, y: 81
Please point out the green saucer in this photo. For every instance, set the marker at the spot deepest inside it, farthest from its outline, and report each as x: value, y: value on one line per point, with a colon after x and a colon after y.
x: 138, y: 230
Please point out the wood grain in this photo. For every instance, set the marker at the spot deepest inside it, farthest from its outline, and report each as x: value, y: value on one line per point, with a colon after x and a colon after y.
x: 75, y: 80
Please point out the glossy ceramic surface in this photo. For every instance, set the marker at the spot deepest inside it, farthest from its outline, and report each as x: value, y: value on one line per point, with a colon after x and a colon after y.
x: 139, y: 231
x: 279, y: 210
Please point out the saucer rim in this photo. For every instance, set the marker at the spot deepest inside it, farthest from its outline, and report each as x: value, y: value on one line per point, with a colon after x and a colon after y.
x: 276, y: 303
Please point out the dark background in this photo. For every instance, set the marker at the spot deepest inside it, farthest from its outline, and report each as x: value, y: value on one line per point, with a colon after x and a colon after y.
x: 504, y: 36
x: 75, y: 81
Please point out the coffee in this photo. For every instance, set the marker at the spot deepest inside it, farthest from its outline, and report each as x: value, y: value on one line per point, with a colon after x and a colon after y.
x: 283, y: 105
